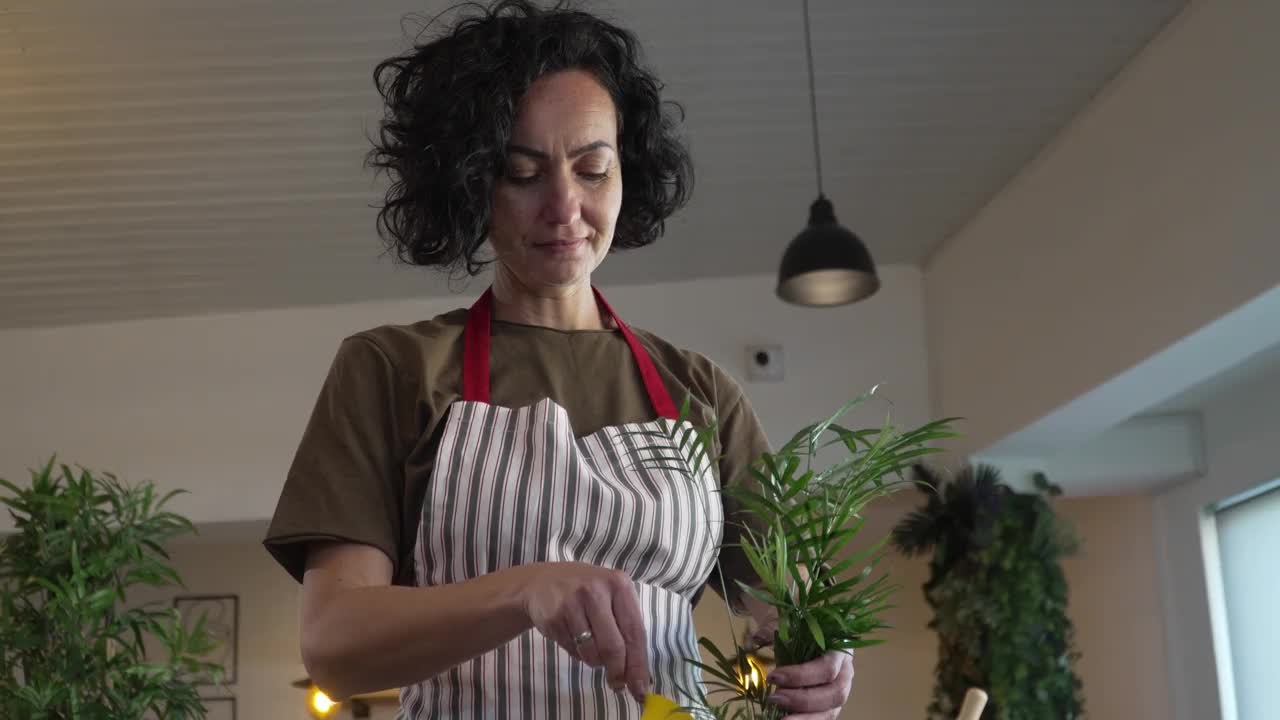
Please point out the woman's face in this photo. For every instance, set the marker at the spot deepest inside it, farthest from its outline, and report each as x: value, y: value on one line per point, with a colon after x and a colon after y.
x: 555, y: 207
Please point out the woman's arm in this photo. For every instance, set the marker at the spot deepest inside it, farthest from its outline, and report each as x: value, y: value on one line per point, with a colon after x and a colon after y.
x: 361, y: 634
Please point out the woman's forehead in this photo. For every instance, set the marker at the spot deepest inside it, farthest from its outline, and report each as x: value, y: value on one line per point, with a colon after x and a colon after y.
x: 569, y: 108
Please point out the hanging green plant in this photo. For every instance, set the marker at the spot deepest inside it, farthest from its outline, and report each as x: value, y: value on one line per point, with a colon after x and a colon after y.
x: 799, y: 519
x: 998, y: 595
x: 70, y: 647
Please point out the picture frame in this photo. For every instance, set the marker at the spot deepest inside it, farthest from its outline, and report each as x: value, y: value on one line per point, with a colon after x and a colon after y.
x: 222, y: 620
x: 220, y: 708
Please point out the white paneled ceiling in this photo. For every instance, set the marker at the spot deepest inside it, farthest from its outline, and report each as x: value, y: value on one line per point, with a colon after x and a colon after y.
x: 162, y: 157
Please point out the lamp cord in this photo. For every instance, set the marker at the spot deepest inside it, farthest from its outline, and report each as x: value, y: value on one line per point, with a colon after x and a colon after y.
x: 813, y: 100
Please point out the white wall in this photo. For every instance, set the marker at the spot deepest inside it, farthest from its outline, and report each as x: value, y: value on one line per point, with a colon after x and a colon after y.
x: 1162, y: 191
x: 1241, y: 429
x: 216, y: 404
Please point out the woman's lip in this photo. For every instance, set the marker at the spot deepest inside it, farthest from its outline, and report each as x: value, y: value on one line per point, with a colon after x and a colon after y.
x: 560, y: 243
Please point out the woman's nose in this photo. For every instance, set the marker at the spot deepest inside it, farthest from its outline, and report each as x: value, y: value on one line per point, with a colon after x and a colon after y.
x: 562, y: 204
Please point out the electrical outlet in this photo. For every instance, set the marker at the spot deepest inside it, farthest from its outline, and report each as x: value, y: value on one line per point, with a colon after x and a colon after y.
x: 764, y: 363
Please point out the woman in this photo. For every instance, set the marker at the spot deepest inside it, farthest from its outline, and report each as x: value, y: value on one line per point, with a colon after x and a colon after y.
x: 460, y: 511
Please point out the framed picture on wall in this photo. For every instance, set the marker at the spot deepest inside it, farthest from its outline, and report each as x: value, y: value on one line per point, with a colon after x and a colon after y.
x: 220, y: 708
x: 221, y: 615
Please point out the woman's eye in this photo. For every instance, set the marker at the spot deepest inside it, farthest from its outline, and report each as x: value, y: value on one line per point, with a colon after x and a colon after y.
x: 529, y: 178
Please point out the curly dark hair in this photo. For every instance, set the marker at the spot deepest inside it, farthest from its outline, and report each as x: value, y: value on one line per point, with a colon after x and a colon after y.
x: 450, y: 106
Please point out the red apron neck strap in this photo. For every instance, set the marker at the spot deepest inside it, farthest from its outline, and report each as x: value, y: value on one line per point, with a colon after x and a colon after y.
x: 658, y: 394
x: 475, y: 349
x: 475, y: 356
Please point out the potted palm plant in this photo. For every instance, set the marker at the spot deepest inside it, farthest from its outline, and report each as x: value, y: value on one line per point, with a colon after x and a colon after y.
x: 71, y: 647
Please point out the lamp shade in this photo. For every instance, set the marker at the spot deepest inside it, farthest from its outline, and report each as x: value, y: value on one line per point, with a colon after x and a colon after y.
x: 826, y: 264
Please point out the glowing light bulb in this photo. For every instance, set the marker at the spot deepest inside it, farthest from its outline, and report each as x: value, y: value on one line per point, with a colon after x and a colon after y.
x: 753, y: 677
x: 321, y: 704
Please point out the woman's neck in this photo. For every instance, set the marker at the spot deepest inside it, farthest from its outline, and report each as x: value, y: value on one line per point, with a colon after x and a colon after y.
x: 568, y: 308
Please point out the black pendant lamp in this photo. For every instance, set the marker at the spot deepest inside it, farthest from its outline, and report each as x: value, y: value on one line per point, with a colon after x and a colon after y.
x: 826, y: 264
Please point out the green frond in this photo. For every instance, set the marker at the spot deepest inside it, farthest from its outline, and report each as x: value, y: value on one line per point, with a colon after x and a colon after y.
x: 793, y: 513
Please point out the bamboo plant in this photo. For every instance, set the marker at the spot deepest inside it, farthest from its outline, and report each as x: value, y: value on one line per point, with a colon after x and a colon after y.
x: 71, y: 645
x: 797, y: 518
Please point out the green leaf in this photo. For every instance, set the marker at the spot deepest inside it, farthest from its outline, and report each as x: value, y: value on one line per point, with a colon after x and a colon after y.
x: 780, y: 559
x: 816, y: 631
x: 757, y: 562
x: 102, y: 600
x: 763, y: 595
x: 78, y: 545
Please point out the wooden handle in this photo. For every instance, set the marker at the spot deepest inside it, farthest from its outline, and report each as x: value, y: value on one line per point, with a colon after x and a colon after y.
x: 974, y: 701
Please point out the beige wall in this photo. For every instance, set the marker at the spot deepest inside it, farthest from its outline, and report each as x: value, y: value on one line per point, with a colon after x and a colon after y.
x: 1114, y: 603
x: 1164, y: 184
x: 1117, y: 609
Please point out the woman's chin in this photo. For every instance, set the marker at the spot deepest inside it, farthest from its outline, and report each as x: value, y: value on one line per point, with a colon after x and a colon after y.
x: 560, y: 274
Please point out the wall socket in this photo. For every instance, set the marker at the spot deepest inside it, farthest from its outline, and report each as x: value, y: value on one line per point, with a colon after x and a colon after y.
x: 764, y: 363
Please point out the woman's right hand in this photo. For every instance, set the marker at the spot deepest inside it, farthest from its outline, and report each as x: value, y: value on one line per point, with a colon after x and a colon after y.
x: 563, y: 600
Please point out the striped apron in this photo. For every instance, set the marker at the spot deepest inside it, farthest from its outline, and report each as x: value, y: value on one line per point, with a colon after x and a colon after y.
x: 513, y: 486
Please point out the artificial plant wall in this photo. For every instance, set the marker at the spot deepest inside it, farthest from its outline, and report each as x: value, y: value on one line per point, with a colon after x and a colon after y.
x: 998, y: 595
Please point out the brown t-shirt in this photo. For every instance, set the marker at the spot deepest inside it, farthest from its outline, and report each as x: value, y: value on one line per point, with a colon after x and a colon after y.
x: 361, y: 470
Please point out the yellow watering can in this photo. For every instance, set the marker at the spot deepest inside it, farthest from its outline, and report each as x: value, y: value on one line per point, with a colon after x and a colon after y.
x: 657, y: 707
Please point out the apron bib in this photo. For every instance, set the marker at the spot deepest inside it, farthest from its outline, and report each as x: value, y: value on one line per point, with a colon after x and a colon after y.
x: 515, y: 486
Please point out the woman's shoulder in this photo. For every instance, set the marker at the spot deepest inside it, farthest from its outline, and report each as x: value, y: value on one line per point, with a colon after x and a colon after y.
x: 695, y: 372
x: 413, y: 348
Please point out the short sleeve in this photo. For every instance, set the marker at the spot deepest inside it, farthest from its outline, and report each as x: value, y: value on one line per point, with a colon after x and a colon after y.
x: 346, y: 481
x: 742, y: 443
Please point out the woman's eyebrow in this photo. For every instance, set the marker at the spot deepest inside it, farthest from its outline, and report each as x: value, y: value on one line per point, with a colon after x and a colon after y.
x: 539, y: 155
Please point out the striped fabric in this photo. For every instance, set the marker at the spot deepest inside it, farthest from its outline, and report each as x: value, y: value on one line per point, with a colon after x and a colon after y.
x: 512, y: 487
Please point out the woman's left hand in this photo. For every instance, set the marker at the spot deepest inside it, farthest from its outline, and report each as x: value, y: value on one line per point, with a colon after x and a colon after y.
x: 816, y: 690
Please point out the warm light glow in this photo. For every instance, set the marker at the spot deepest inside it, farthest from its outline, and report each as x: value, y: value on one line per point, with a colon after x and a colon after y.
x: 753, y: 679
x: 321, y: 705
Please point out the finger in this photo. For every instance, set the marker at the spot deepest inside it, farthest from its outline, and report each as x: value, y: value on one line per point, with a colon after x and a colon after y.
x: 626, y: 609
x: 829, y: 715
x: 607, y: 639
x: 831, y: 697
x: 558, y: 632
x: 584, y: 650
x: 815, y: 672
x: 812, y: 699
